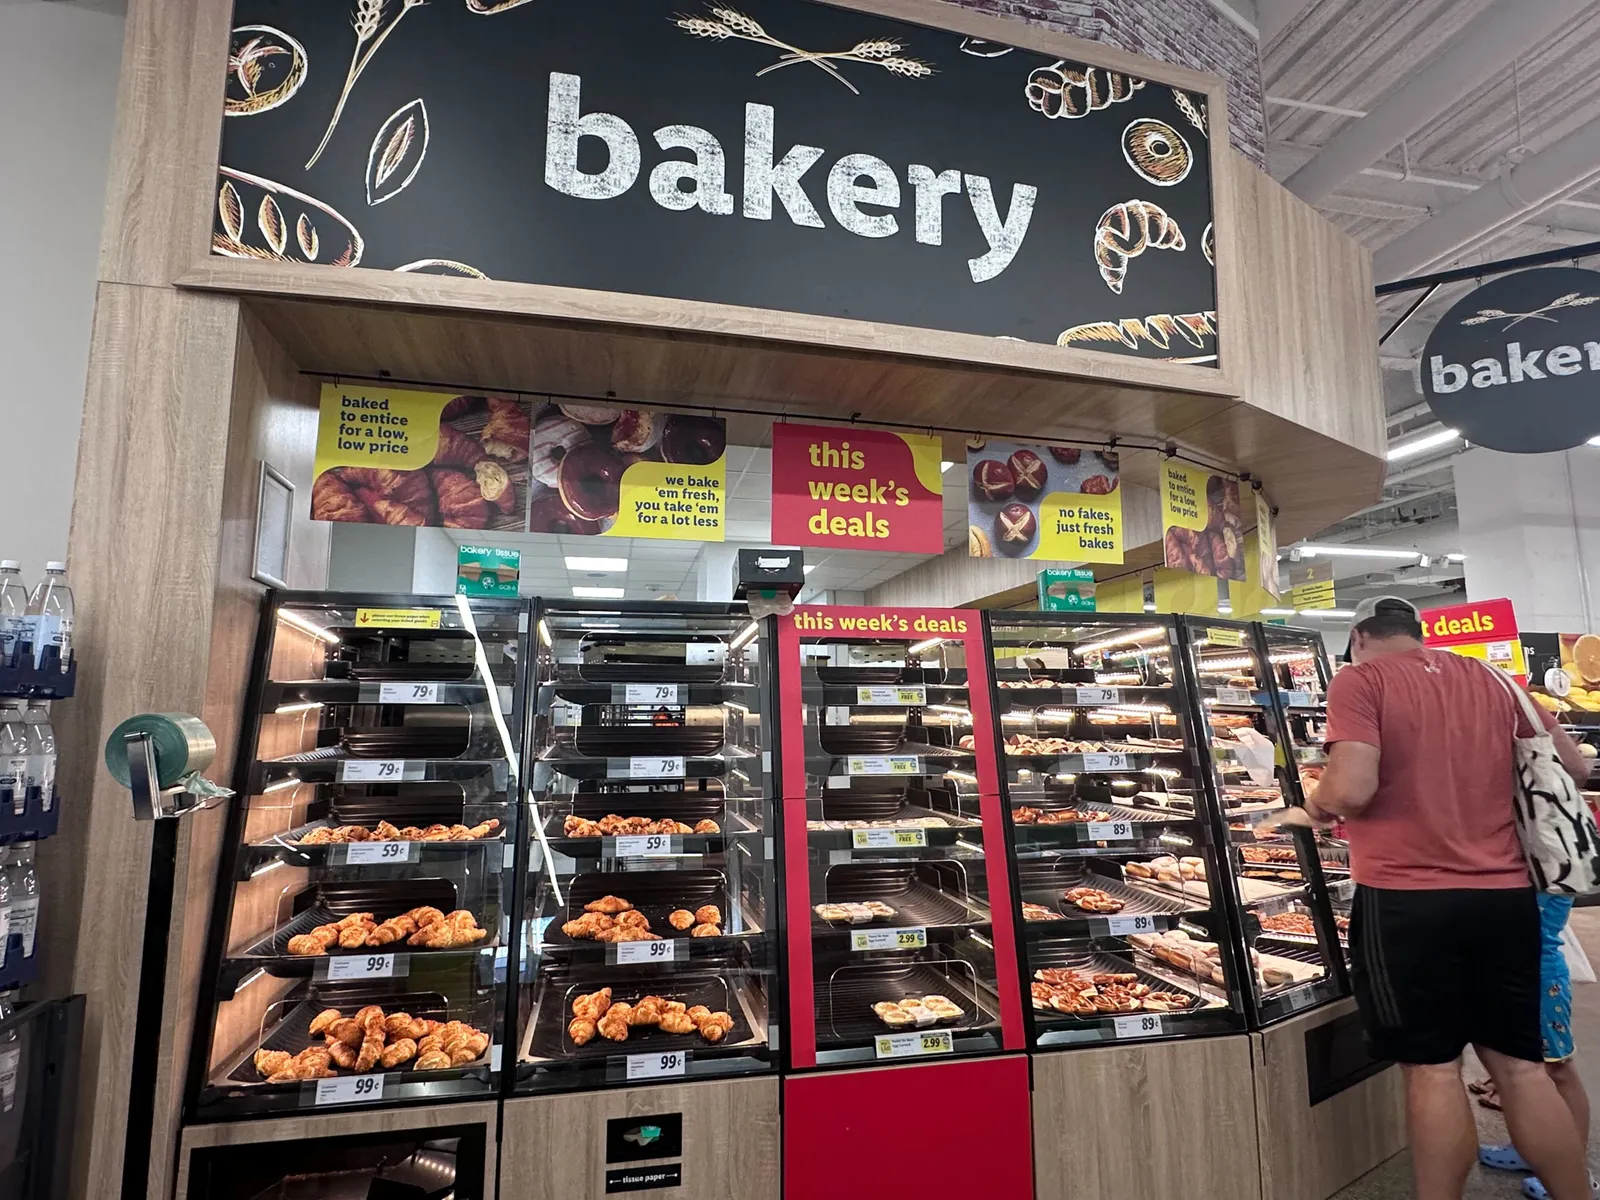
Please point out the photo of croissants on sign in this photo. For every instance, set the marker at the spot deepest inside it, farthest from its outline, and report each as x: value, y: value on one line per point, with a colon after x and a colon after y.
x: 1202, y: 523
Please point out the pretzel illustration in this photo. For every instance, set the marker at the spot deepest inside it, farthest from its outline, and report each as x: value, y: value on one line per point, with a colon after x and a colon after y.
x: 1126, y: 231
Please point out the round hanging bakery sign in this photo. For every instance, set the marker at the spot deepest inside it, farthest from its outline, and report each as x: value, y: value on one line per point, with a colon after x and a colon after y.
x: 1515, y: 365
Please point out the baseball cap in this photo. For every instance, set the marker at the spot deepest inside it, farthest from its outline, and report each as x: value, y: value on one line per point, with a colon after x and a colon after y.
x: 1372, y: 606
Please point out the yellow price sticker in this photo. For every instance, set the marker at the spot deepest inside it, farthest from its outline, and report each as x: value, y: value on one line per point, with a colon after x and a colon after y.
x: 902, y: 766
x: 909, y: 938
x: 1225, y: 637
x: 398, y: 618
x: 911, y: 1045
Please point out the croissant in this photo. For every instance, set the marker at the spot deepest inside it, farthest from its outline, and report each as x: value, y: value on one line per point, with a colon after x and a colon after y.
x: 371, y: 1048
x: 581, y: 1030
x: 461, y: 501
x: 505, y: 434
x: 399, y: 1052
x: 458, y: 450
x: 270, y: 1062
x: 305, y: 943
x: 332, y: 500
x: 323, y: 1020
x: 348, y: 1031
x: 344, y: 1056
x: 404, y: 1025
x: 433, y: 1060
x: 353, y: 937
x: 461, y: 406
x: 1125, y: 231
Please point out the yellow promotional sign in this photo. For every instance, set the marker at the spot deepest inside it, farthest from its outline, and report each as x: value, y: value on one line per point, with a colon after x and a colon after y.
x: 363, y: 426
x: 1248, y: 598
x: 1184, y: 592
x: 1225, y: 637
x: 1183, y: 495
x: 1265, y: 545
x: 1318, y: 594
x: 1506, y: 655
x: 673, y: 501
x: 1125, y: 595
x: 397, y: 618
x: 1076, y: 527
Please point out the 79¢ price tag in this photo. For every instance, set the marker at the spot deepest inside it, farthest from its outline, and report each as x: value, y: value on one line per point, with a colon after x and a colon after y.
x: 664, y: 951
x: 361, y: 966
x: 1097, y: 695
x: 350, y: 1089
x: 912, y: 1045
x: 372, y: 770
x: 377, y: 853
x: 1110, y: 831
x: 1138, y: 1025
x: 408, y: 693
x: 656, y: 766
x: 911, y: 937
x: 656, y: 1066
x: 650, y: 693
x: 1105, y: 762
x: 887, y: 839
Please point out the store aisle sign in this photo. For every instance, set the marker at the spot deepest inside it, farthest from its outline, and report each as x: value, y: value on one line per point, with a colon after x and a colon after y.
x: 1203, y: 527
x: 857, y: 489
x: 777, y: 154
x: 1515, y: 364
x: 1050, y: 502
x: 1485, y: 629
x: 487, y: 571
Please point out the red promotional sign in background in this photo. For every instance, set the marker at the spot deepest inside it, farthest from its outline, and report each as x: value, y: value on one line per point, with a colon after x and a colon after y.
x: 1462, y: 624
x: 857, y: 489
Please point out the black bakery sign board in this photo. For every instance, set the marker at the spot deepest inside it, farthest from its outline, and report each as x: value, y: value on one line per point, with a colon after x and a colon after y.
x: 780, y: 154
x: 1515, y: 364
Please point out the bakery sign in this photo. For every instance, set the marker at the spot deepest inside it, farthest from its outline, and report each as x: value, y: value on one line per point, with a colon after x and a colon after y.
x: 778, y: 154
x: 1515, y: 364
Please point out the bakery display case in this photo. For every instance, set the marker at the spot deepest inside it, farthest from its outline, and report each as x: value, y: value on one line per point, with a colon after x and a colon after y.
x: 648, y: 933
x: 1263, y: 738
x: 899, y: 935
x: 1115, y: 845
x: 364, y: 910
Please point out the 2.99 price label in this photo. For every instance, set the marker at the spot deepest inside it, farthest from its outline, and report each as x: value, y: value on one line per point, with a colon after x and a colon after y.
x: 910, y: 937
x: 650, y: 693
x: 623, y: 953
x: 350, y: 1089
x: 913, y: 1045
x: 657, y: 1066
x: 408, y: 693
x: 1137, y: 1026
x: 362, y: 966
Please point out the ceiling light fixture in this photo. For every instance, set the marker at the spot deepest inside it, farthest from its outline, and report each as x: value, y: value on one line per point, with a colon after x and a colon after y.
x: 922, y: 647
x: 1136, y: 635
x: 744, y: 635
x: 599, y: 593
x: 1277, y: 612
x: 1423, y: 444
x: 576, y: 562
x: 305, y: 626
x: 1338, y: 614
x: 1456, y: 558
x: 1357, y: 552
x: 945, y: 466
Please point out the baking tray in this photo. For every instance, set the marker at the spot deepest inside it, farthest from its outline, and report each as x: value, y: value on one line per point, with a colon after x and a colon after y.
x: 1098, y: 962
x: 876, y: 738
x: 1043, y: 881
x: 291, y: 1032
x: 859, y: 676
x: 631, y: 666
x: 558, y: 989
x: 324, y: 902
x: 655, y: 894
x: 406, y: 741
x: 643, y: 739
x: 902, y: 886
x: 845, y: 998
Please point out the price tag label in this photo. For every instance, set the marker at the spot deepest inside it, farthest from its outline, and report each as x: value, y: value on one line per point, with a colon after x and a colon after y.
x: 399, y: 618
x: 350, y: 1089
x: 650, y: 693
x: 1105, y: 762
x: 1097, y: 695
x: 912, y: 1045
x: 888, y: 839
x: 911, y: 937
x: 1123, y: 926
x: 656, y: 766
x: 408, y: 693
x: 358, y: 854
x: 882, y: 764
x: 705, y: 654
x: 1138, y: 1025
x: 373, y: 770
x: 836, y: 714
x: 1110, y: 831
x: 664, y: 951
x: 1298, y: 699
x: 1234, y: 695
x: 657, y: 1066
x: 361, y: 966
x: 891, y: 695
x: 565, y: 715
x: 1300, y: 997
x: 643, y: 845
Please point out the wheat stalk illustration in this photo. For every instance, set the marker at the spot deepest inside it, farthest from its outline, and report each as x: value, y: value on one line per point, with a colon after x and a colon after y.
x: 1570, y: 300
x: 368, y: 18
x: 727, y: 23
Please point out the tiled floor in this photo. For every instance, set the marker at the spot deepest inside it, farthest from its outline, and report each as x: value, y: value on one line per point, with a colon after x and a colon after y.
x: 1392, y: 1181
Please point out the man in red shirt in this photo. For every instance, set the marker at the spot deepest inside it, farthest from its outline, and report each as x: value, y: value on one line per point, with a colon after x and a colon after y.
x: 1444, y: 931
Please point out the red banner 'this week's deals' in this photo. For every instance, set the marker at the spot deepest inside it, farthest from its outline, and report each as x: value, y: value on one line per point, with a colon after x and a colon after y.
x: 857, y: 489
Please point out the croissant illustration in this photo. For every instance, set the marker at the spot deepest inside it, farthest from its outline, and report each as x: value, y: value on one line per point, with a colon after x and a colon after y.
x: 1126, y: 231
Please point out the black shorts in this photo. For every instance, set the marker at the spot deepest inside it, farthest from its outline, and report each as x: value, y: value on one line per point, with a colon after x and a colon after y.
x: 1436, y: 970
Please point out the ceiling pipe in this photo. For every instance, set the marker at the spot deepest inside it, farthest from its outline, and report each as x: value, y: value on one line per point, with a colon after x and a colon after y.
x: 1482, y: 49
x: 1561, y: 167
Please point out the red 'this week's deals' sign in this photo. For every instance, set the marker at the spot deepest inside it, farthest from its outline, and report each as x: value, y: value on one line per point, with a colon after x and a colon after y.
x: 856, y: 489
x: 1485, y: 630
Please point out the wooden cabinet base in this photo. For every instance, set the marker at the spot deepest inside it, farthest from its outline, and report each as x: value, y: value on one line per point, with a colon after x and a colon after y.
x: 1134, y: 1121
x: 1327, y: 1116
x: 555, y: 1147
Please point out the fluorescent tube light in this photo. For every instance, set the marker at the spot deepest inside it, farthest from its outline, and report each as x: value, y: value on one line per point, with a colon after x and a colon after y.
x: 1356, y: 552
x: 945, y: 466
x: 1433, y: 441
x: 744, y: 635
x: 576, y: 562
x: 1463, y: 557
x: 305, y: 626
x: 1336, y: 613
x: 599, y: 593
x: 304, y: 706
x: 1277, y: 612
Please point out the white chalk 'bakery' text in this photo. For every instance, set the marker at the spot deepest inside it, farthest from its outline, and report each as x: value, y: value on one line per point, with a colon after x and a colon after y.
x: 1518, y: 365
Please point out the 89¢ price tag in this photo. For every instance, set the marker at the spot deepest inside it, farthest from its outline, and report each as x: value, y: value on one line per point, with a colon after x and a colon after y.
x: 656, y: 1066
x: 912, y: 1045
x: 1122, y: 926
x: 656, y: 766
x: 1110, y: 831
x: 1105, y: 762
x: 361, y: 966
x: 368, y: 853
x: 664, y: 951
x: 1137, y: 1026
x: 350, y: 1089
x: 650, y: 693
x: 1097, y: 695
x: 911, y: 937
x: 408, y: 693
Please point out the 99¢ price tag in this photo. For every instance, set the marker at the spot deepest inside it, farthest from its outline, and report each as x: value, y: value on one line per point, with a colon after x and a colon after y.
x: 650, y: 693
x: 361, y: 966
x: 656, y: 766
x: 350, y: 1089
x: 664, y: 951
x: 913, y: 1045
x: 1110, y: 831
x: 911, y: 937
x: 657, y: 1066
x: 1105, y: 762
x: 1138, y: 1025
x: 408, y: 693
x: 377, y: 853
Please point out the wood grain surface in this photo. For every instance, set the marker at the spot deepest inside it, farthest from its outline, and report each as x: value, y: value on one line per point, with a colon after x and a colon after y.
x: 554, y: 1147
x: 1310, y: 1153
x: 1161, y: 1119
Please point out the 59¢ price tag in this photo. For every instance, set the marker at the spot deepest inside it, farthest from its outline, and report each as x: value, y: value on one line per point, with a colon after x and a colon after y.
x: 656, y: 766
x: 350, y: 1089
x: 911, y: 937
x: 650, y: 693
x: 377, y: 853
x: 642, y: 845
x: 657, y: 1066
x: 1138, y: 1025
x: 664, y: 951
x: 408, y: 693
x: 361, y: 966
x: 912, y: 1045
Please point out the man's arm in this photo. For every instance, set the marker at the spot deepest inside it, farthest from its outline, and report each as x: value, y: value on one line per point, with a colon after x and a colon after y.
x: 1349, y: 781
x: 1567, y: 750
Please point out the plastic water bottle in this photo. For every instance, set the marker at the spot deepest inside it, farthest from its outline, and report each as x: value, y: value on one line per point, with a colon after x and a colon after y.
x: 10, y: 1055
x: 23, y: 882
x: 41, y: 754
x: 13, y: 610
x: 51, y: 604
x: 5, y: 909
x: 13, y: 757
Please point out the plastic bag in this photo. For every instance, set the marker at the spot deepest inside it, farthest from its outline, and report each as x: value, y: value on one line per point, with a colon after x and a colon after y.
x: 1578, y: 965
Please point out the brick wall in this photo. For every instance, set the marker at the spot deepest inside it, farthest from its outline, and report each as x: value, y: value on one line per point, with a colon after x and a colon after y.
x: 1190, y: 33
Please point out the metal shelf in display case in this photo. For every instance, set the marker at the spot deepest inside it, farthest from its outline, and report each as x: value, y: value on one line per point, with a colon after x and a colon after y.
x: 900, y: 924
x: 370, y: 861
x: 1276, y: 884
x: 651, y: 878
x: 1111, y: 831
